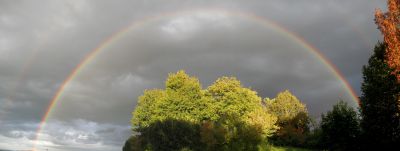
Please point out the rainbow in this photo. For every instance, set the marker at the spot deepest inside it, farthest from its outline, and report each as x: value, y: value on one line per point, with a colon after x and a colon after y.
x: 136, y: 24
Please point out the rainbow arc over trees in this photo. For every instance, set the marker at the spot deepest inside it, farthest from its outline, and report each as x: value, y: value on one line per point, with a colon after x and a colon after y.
x: 143, y: 22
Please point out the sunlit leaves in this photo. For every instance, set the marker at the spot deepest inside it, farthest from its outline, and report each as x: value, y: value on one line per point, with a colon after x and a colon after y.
x: 389, y: 23
x: 225, y: 116
x: 233, y: 100
x: 293, y: 120
x: 285, y: 106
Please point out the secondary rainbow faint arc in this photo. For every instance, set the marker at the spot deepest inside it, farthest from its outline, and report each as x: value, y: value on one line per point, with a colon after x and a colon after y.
x: 235, y: 13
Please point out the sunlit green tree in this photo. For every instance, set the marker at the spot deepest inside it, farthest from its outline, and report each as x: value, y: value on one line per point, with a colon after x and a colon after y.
x: 182, y: 99
x: 225, y: 116
x: 293, y: 119
x: 231, y: 99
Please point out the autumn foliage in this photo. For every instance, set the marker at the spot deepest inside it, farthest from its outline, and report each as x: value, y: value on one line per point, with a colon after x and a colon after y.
x: 388, y: 23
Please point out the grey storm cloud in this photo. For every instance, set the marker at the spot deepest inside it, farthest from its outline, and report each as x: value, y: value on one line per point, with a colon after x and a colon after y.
x: 42, y: 42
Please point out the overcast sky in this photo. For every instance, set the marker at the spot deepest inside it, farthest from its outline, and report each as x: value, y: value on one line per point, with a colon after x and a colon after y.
x: 42, y: 42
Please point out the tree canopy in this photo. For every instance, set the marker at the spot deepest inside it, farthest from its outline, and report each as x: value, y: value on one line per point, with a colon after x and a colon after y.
x: 285, y: 106
x: 389, y: 24
x: 225, y: 116
x: 340, y: 128
x: 293, y: 120
x: 379, y: 102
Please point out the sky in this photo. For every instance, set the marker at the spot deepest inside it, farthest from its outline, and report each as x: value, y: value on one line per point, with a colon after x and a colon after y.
x: 42, y: 42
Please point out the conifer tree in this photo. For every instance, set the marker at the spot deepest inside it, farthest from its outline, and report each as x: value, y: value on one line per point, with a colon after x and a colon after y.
x: 379, y: 102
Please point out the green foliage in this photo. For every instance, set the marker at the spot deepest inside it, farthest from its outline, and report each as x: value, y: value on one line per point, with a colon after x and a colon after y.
x: 340, y: 128
x: 133, y: 144
x: 293, y: 119
x: 233, y: 100
x: 225, y: 116
x: 313, y: 139
x: 180, y: 83
x: 275, y: 148
x: 230, y: 134
x: 380, y: 102
x: 269, y: 147
x: 172, y: 135
x: 285, y: 106
x: 183, y: 99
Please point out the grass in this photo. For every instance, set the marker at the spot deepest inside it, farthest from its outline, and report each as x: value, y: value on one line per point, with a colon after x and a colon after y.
x: 276, y: 148
x: 269, y: 147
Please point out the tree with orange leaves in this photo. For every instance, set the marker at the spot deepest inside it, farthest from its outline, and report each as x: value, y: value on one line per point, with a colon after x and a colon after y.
x: 380, y: 98
x: 389, y: 24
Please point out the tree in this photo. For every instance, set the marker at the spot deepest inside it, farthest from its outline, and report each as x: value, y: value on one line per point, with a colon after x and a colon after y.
x: 134, y: 143
x: 340, y: 128
x: 171, y: 135
x: 230, y: 133
x: 182, y: 99
x: 379, y: 102
x: 231, y: 99
x: 389, y: 23
x: 285, y: 106
x: 243, y: 121
x: 225, y: 116
x: 293, y: 119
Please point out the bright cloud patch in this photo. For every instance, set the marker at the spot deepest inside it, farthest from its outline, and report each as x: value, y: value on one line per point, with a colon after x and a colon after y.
x: 77, y: 135
x: 190, y: 23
